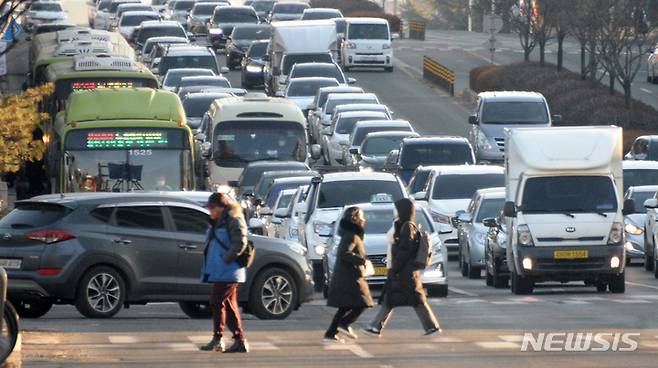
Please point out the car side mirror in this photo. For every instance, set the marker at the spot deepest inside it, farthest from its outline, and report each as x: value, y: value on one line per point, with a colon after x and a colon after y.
x: 556, y: 119
x: 200, y: 137
x: 311, y: 107
x: 351, y: 80
x: 316, y: 151
x: 281, y: 213
x: 279, y: 94
x: 419, y: 196
x: 265, y: 211
x: 629, y: 206
x: 509, y: 209
x: 223, y: 70
x: 191, y: 36
x: 651, y: 203
x: 473, y: 119
x: 354, y: 150
x: 490, y: 222
x: 233, y: 183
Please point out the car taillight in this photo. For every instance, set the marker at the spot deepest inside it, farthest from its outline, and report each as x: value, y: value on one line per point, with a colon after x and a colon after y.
x: 50, y: 236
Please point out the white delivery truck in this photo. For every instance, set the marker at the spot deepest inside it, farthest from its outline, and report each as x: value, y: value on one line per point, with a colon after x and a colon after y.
x: 564, y: 207
x: 297, y: 42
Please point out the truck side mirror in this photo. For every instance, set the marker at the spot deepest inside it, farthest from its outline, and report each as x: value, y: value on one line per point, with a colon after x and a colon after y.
x: 473, y: 119
x: 509, y: 209
x: 556, y: 119
x: 629, y: 207
x: 316, y: 151
x: 651, y: 203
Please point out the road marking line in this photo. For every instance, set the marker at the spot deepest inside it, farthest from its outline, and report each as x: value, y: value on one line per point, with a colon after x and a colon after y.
x: 588, y: 298
x: 529, y: 299
x: 643, y: 296
x: 182, y: 346
x: 468, y: 301
x: 261, y: 345
x: 646, y: 91
x: 447, y: 340
x: 575, y: 302
x: 122, y: 339
x: 199, y: 339
x: 354, y: 349
x: 46, y: 340
x: 649, y: 344
x: 511, y: 338
x: 461, y: 291
x: 508, y: 302
x: 631, y: 301
x: 643, y: 285
x: 497, y: 345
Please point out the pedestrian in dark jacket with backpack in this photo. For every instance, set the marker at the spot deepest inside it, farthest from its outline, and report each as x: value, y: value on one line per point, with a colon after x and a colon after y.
x: 225, y: 241
x: 404, y: 286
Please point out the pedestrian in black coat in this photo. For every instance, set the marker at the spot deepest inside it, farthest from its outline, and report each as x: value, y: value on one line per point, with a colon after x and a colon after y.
x: 348, y: 289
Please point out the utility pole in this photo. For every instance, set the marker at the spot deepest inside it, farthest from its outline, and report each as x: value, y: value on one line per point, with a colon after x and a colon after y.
x: 492, y: 31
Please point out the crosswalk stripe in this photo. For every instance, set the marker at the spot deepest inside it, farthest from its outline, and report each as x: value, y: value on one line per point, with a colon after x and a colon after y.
x: 511, y: 338
x: 122, y: 339
x: 494, y: 345
x: 447, y: 340
x: 508, y: 302
x: 576, y: 302
x: 353, y: 348
x: 631, y: 301
x: 182, y: 346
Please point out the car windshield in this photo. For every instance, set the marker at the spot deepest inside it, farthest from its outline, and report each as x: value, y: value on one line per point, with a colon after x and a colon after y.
x: 292, y: 59
x: 348, y: 192
x: 274, y: 191
x: 514, y: 112
x: 251, y: 33
x: 289, y: 8
x: 265, y: 181
x: 50, y: 7
x: 251, y: 175
x: 148, y: 46
x: 637, y: 177
x: 316, y: 15
x: 132, y: 7
x: 190, y: 61
x: 379, y: 221
x: 183, y: 5
x: 204, y: 9
x: 262, y: 6
x: 361, y: 132
x: 135, y: 20
x: 569, y: 194
x: 284, y: 200
x: 160, y: 31
x: 205, y: 81
x: 234, y: 16
x: 317, y: 71
x: 367, y: 32
x: 414, y: 155
x: 381, y: 146
x: 639, y: 197
x: 463, y: 186
x: 115, y: 6
x: 103, y: 5
x: 345, y: 125
x: 236, y: 143
x: 257, y: 50
x: 419, y: 181
x: 196, y: 107
x: 490, y: 207
x: 308, y: 88
x: 172, y: 79
x: 158, y: 2
x: 333, y: 102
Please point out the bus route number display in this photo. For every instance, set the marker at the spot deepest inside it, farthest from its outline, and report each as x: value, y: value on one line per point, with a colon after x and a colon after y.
x: 85, y: 85
x: 126, y: 139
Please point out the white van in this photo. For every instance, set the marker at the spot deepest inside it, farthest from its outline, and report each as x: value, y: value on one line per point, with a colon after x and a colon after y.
x: 564, y: 196
x: 367, y: 43
x: 253, y: 128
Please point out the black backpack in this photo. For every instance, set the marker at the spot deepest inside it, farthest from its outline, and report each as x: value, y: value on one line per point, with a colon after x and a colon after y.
x: 244, y: 259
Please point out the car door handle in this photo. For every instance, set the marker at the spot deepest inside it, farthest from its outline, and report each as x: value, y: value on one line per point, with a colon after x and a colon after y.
x: 187, y: 246
x: 122, y: 241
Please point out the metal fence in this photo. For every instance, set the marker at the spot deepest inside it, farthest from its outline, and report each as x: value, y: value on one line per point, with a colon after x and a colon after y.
x: 439, y: 74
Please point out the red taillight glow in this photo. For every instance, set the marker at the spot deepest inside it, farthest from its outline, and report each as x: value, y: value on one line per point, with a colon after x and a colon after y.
x: 50, y: 236
x: 49, y: 271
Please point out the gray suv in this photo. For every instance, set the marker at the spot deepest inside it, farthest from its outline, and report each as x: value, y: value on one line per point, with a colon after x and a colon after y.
x: 101, y: 252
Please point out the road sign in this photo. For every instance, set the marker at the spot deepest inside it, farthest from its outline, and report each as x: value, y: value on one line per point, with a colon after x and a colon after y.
x: 492, y: 23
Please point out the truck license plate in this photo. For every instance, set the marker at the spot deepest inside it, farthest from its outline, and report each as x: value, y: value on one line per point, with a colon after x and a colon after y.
x: 570, y: 254
x: 10, y: 264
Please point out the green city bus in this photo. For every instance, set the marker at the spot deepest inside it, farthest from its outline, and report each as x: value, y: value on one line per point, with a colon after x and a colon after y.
x: 122, y: 139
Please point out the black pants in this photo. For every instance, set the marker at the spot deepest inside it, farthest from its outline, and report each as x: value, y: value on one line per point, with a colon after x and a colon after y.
x: 345, y: 316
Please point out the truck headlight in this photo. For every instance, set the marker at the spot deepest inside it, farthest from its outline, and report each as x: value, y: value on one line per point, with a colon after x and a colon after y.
x: 320, y: 249
x: 616, y: 233
x: 351, y: 45
x: 632, y: 229
x: 483, y: 141
x: 524, y: 236
x: 254, y: 69
x: 386, y: 46
x: 322, y: 228
x: 441, y: 218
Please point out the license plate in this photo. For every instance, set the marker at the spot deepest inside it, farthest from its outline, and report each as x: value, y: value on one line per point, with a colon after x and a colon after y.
x: 570, y: 254
x: 10, y: 264
x: 380, y: 271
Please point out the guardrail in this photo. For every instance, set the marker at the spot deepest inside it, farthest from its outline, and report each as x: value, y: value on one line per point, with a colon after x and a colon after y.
x: 417, y: 30
x: 439, y: 74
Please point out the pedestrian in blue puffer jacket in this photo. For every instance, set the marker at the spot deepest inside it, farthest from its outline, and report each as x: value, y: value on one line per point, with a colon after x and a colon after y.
x: 225, y: 241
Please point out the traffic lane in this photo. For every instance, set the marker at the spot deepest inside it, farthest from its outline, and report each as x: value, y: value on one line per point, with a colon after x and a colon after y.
x: 77, y: 11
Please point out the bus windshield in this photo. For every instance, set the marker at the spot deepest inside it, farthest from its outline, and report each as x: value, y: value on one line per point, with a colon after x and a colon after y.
x: 236, y: 143
x: 122, y: 160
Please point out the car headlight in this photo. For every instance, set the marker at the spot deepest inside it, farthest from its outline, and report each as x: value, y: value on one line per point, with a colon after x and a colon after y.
x: 441, y: 218
x: 386, y: 46
x: 616, y: 234
x: 634, y: 230
x: 215, y: 31
x: 322, y: 228
x: 483, y: 141
x: 320, y: 249
x: 254, y: 69
x: 351, y: 45
x: 524, y: 236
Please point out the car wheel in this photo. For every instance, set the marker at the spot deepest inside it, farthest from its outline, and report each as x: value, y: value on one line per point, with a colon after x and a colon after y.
x: 273, y: 294
x: 617, y: 283
x: 325, y: 291
x: 655, y: 267
x: 463, y: 266
x: 196, y: 310
x: 101, y: 293
x: 437, y: 291
x: 474, y: 272
x: 9, y: 332
x: 32, y: 308
x: 648, y: 262
x: 488, y: 277
x: 521, y: 285
x: 499, y: 282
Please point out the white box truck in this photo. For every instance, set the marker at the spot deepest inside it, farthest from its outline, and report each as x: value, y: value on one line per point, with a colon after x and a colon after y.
x: 297, y: 42
x: 564, y: 209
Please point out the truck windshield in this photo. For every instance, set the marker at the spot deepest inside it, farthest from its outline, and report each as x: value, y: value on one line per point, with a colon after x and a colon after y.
x: 344, y: 193
x: 292, y: 59
x: 121, y: 160
x: 454, y: 186
x: 514, y: 112
x: 236, y: 143
x: 637, y: 177
x: 569, y: 194
x: 414, y: 155
x: 368, y: 32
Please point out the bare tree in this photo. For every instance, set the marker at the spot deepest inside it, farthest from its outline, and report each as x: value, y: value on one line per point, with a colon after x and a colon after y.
x: 559, y: 20
x: 523, y: 22
x: 584, y: 23
x: 11, y: 9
